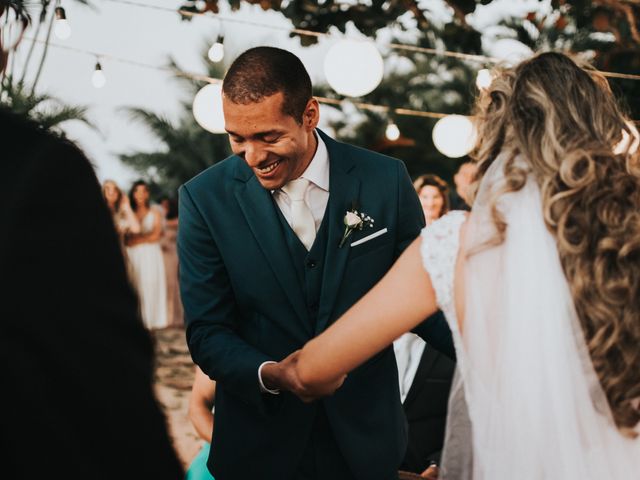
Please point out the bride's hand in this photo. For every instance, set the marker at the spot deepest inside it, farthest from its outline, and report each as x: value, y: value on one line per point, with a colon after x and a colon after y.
x: 284, y: 376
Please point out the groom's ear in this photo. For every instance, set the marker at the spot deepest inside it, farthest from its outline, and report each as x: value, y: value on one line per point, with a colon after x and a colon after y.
x: 311, y: 115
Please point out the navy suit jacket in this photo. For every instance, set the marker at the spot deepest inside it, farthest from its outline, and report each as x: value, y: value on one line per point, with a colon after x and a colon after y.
x: 244, y: 305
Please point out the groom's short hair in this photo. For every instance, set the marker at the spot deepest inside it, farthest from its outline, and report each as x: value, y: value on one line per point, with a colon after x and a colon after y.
x: 264, y: 71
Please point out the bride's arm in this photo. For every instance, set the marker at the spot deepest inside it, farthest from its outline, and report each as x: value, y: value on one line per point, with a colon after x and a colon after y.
x: 399, y: 302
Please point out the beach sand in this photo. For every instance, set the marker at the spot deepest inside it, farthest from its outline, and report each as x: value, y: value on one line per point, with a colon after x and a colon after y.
x: 172, y: 382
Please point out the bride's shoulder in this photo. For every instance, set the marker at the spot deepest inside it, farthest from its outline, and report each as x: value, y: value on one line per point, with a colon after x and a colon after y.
x: 442, y: 237
x: 447, y: 225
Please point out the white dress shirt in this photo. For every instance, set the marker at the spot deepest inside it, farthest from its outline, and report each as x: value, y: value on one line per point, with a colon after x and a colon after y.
x: 316, y: 198
x: 408, y: 349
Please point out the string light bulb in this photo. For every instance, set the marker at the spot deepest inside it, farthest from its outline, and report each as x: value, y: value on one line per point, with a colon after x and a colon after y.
x: 483, y: 79
x: 62, y: 28
x: 216, y: 52
x: 98, y: 79
x: 392, y: 132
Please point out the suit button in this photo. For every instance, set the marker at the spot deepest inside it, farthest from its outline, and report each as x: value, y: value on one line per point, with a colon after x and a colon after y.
x: 311, y: 264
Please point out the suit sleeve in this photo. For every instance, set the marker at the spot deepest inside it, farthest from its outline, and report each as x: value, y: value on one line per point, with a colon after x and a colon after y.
x: 434, y: 330
x: 211, y: 311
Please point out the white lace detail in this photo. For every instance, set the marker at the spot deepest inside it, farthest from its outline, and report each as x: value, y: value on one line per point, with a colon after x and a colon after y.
x: 439, y: 249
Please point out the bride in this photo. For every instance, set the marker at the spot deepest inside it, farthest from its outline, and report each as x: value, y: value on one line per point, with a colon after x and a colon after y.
x: 540, y: 285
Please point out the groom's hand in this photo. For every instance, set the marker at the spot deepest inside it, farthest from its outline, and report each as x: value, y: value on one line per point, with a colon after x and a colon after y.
x: 283, y: 376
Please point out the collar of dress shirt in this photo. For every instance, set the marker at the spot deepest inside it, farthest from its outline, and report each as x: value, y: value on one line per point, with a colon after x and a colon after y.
x: 318, y: 170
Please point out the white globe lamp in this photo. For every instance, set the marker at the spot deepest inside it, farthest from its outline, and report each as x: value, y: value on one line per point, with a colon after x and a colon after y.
x: 353, y: 68
x: 207, y: 108
x: 454, y: 135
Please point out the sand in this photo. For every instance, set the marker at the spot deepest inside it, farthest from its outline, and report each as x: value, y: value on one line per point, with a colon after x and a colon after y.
x: 173, y: 378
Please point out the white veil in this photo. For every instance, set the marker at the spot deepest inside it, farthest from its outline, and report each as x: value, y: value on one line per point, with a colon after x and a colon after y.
x: 534, y: 408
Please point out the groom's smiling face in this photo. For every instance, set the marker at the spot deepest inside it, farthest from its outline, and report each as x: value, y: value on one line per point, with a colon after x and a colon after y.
x: 276, y: 146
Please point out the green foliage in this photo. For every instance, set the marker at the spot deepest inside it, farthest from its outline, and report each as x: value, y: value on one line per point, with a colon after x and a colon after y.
x: 608, y: 28
x: 44, y: 109
x: 185, y: 148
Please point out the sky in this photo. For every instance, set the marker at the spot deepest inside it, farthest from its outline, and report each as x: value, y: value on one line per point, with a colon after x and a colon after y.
x: 116, y: 28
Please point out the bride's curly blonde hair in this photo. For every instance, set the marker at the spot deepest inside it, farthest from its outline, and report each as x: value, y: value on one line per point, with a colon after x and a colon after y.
x: 562, y: 117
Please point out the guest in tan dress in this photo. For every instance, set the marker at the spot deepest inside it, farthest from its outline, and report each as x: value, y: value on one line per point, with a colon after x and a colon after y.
x: 124, y: 219
x: 175, y: 313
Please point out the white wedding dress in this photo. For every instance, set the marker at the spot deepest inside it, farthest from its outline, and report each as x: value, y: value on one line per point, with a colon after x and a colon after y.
x: 526, y: 403
x: 147, y: 270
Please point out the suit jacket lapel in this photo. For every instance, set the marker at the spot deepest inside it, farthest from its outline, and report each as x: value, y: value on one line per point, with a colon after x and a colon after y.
x: 429, y: 357
x: 259, y: 210
x: 344, y: 188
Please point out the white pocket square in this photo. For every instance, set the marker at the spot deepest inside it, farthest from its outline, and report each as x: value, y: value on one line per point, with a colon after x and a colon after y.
x: 369, y: 237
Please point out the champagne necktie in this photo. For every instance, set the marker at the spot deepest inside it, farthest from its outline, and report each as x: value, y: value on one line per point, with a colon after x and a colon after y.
x: 302, y: 222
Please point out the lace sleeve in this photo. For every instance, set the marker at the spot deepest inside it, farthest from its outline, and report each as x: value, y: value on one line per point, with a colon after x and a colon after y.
x: 439, y: 250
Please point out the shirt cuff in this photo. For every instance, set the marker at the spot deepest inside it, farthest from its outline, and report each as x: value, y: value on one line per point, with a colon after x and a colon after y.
x: 264, y: 389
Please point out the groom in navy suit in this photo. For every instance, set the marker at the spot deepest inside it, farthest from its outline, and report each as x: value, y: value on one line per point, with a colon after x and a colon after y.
x: 264, y: 269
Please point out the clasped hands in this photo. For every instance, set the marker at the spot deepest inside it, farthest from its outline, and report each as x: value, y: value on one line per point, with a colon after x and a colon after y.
x: 284, y: 375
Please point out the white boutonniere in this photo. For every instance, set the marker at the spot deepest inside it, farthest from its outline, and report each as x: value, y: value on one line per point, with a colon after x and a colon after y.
x: 354, y: 220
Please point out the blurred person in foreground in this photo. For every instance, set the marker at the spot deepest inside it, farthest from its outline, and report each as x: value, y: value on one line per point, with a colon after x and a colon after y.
x: 75, y: 361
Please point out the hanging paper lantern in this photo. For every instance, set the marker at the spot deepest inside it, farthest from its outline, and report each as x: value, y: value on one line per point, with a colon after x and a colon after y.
x: 353, y: 67
x: 483, y: 79
x: 454, y: 135
x: 207, y: 108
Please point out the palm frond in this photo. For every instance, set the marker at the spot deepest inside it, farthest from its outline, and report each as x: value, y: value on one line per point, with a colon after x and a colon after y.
x: 59, y: 114
x: 48, y: 111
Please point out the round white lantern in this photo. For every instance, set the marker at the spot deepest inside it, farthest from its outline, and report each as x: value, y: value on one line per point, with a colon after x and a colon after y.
x: 483, y: 79
x: 454, y: 135
x: 207, y: 108
x: 353, y: 67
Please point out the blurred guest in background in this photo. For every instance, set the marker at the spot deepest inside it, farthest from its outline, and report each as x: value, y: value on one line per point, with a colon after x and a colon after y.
x: 434, y: 196
x: 175, y: 314
x: 463, y: 179
x: 146, y: 259
x: 124, y: 219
